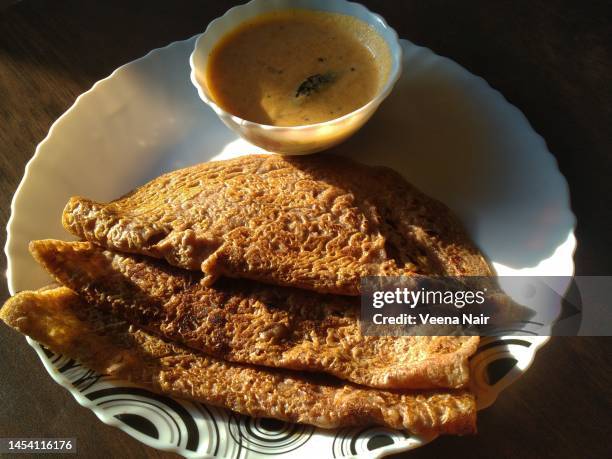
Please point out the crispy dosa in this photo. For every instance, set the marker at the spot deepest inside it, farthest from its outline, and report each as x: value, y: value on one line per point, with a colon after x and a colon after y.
x: 249, y: 322
x: 318, y: 222
x: 64, y: 323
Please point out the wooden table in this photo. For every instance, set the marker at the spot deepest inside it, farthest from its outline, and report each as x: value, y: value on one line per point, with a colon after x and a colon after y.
x: 552, y: 59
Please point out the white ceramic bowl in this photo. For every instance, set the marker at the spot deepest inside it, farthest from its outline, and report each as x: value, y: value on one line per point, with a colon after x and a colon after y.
x: 293, y: 140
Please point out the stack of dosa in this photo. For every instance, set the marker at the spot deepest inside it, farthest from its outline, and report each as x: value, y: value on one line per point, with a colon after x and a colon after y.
x: 234, y: 283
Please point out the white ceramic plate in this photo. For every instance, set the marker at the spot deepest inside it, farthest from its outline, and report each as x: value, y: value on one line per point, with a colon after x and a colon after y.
x: 446, y: 130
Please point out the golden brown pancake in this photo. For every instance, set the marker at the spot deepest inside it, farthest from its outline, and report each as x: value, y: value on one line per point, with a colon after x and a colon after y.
x: 318, y: 222
x: 64, y: 323
x: 249, y: 322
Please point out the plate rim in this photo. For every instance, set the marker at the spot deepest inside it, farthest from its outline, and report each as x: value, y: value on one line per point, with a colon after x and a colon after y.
x: 111, y: 421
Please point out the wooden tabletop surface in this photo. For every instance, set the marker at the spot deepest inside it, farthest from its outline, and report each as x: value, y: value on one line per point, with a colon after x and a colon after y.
x: 552, y: 59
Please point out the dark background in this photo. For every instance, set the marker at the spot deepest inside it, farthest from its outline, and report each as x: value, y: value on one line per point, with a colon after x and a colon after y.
x: 552, y: 59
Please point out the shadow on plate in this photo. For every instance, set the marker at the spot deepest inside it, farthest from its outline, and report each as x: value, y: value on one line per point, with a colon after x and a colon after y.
x: 459, y: 141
